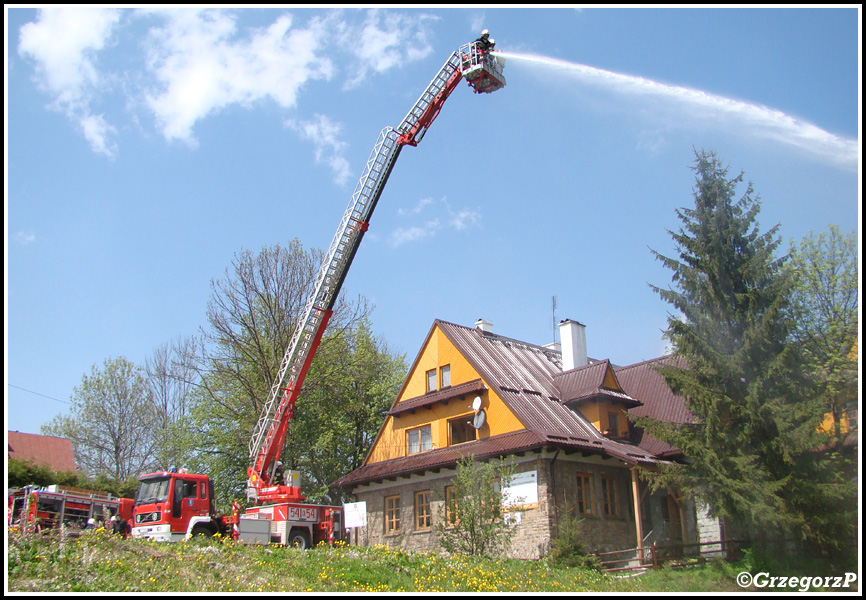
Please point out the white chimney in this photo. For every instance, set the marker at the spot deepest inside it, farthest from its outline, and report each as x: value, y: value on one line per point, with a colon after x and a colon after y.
x: 484, y: 326
x: 573, y: 336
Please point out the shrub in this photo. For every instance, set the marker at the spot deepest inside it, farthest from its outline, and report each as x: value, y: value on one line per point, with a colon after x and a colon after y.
x: 567, y: 548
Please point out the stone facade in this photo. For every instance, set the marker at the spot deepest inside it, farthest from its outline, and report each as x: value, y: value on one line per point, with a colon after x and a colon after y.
x: 556, y: 492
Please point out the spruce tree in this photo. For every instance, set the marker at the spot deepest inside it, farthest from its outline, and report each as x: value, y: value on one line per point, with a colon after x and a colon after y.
x: 754, y: 414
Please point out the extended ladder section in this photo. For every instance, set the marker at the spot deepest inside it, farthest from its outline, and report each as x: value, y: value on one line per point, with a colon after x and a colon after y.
x: 270, y: 433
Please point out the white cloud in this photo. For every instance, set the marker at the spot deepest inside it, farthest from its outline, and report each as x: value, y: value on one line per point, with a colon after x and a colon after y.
x: 325, y: 135
x: 25, y: 237
x: 419, y: 206
x: 386, y: 40
x: 63, y: 42
x: 196, y: 62
x: 455, y: 220
x: 404, y: 235
x: 99, y: 133
x: 200, y: 68
x: 463, y: 218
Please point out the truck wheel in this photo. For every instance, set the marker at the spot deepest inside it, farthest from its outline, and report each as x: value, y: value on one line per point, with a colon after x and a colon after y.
x: 298, y: 538
x: 201, y: 530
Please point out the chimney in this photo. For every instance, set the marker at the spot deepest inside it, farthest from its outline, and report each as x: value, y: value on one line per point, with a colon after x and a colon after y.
x: 484, y: 326
x: 573, y: 336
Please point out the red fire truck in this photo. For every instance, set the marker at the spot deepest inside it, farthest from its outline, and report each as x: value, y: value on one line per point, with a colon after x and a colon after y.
x: 35, y: 509
x: 176, y: 505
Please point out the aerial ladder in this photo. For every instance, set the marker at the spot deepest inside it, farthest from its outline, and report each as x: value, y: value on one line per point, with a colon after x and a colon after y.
x: 482, y: 70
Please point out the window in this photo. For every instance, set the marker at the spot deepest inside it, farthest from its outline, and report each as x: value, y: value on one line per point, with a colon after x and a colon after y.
x: 445, y: 376
x: 419, y: 439
x: 608, y: 496
x: 431, y: 380
x: 423, y: 514
x: 613, y: 424
x: 584, y: 494
x: 460, y: 430
x: 450, y: 506
x: 392, y: 515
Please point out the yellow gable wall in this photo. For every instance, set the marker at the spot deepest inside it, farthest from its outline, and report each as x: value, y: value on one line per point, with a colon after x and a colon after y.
x: 610, y: 381
x: 598, y: 413
x: 436, y: 353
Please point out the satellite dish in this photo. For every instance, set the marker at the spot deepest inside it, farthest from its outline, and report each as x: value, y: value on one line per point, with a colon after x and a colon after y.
x: 476, y: 404
x: 480, y: 418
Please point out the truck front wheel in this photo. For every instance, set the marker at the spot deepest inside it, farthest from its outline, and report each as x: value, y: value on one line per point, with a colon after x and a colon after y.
x: 299, y: 538
x: 201, y: 530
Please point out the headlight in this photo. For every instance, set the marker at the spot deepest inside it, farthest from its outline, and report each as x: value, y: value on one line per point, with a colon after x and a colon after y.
x: 151, y: 517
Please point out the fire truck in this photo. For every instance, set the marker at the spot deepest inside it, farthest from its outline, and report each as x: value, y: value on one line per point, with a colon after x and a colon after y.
x: 176, y: 505
x: 38, y: 508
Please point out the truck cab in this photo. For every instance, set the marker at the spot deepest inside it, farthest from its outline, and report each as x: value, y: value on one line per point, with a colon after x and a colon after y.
x: 172, y: 506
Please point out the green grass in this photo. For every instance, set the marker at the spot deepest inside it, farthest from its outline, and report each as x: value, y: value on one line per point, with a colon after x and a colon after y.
x: 98, y: 562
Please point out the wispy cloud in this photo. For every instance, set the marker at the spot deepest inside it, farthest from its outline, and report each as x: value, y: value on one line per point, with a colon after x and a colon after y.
x: 63, y: 42
x: 386, y: 40
x: 325, y: 136
x: 197, y: 62
x: 25, y: 237
x: 446, y: 217
x: 694, y: 106
x: 419, y: 206
x: 404, y: 235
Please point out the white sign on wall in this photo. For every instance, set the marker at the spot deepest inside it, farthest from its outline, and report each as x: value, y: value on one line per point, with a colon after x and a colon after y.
x: 355, y: 515
x: 521, y: 490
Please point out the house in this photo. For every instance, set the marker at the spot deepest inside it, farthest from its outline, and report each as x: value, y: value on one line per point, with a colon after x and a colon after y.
x: 42, y: 450
x: 559, y: 415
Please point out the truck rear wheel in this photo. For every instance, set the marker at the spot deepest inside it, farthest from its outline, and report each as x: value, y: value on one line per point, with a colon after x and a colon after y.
x: 299, y: 538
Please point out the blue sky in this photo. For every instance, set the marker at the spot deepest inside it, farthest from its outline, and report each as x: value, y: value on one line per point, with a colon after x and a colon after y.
x: 146, y: 147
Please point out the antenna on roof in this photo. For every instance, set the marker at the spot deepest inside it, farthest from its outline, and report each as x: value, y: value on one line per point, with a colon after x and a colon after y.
x: 553, y: 307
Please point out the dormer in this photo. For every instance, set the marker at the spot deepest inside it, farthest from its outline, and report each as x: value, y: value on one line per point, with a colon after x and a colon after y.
x: 594, y: 392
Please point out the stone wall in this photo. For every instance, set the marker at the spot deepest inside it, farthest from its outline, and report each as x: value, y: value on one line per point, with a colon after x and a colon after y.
x: 535, y: 525
x: 599, y: 531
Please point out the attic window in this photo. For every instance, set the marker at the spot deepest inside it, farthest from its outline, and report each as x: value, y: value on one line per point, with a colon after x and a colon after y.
x: 445, y: 376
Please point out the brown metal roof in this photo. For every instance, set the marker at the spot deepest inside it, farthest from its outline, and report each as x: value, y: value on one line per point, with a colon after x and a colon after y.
x: 42, y: 450
x: 588, y: 383
x: 500, y: 445
x: 441, y: 457
x: 529, y: 379
x: 643, y: 381
x: 443, y: 395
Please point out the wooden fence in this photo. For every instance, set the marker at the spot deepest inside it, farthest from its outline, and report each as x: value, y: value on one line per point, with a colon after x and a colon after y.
x: 672, y: 555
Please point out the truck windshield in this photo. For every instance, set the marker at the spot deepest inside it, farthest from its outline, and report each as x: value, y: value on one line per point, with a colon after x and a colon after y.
x: 153, y: 490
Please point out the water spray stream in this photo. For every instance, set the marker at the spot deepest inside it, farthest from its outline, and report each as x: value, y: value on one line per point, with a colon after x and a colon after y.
x: 759, y: 120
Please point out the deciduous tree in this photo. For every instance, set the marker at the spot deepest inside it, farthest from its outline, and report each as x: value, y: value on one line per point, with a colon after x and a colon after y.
x: 472, y: 519
x: 109, y: 421
x: 251, y: 316
x: 824, y: 310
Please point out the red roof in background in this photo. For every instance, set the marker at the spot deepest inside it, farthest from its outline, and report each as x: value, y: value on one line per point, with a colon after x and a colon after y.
x: 42, y: 450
